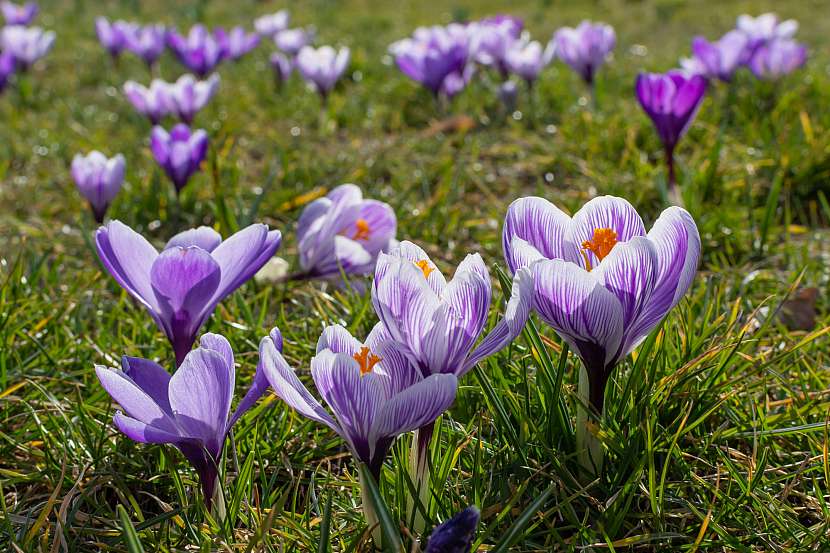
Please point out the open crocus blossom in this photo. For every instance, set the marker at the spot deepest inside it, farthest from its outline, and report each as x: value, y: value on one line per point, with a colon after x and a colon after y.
x: 343, y: 232
x: 15, y: 14
x: 322, y: 67
x: 269, y: 25
x: 26, y: 44
x: 188, y: 96
x: 777, y: 58
x: 182, y: 285
x: 190, y: 409
x: 525, y: 60
x: 240, y: 42
x: 291, y: 41
x: 180, y: 152
x: 718, y: 60
x: 584, y: 48
x: 671, y: 100
x: 113, y: 36
x: 200, y: 50
x: 146, y: 42
x: 436, y: 57
x: 601, y: 282
x: 98, y: 179
x: 154, y: 102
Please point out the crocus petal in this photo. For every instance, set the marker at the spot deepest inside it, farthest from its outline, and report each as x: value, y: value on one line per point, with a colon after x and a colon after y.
x: 150, y: 377
x: 203, y: 237
x: 608, y: 212
x: 242, y: 255
x: 339, y: 340
x: 522, y: 254
x: 184, y: 279
x: 137, y: 403
x: 538, y: 223
x: 415, y: 406
x: 128, y: 256
x: 415, y: 254
x: 628, y: 272
x: 142, y: 432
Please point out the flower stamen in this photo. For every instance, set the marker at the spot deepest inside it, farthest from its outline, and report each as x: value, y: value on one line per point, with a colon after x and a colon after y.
x: 601, y: 244
x: 362, y: 230
x: 366, y: 359
x: 424, y: 266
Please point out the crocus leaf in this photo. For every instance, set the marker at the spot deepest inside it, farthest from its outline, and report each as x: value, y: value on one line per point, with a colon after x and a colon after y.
x: 391, y: 537
x: 128, y: 532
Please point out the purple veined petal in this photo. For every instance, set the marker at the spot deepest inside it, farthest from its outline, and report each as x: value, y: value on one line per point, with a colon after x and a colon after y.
x: 523, y: 254
x: 151, y: 377
x: 202, y: 237
x: 396, y: 364
x: 201, y: 391
x: 677, y: 245
x: 603, y: 212
x: 142, y: 432
x: 311, y: 214
x: 260, y: 383
x: 220, y: 344
x: 579, y: 308
x: 515, y: 316
x: 540, y: 224
x: 382, y: 226
x: 468, y: 295
x: 137, y: 403
x: 337, y: 339
x: 351, y: 257
x: 417, y: 256
x: 288, y: 387
x: 184, y: 279
x: 128, y: 256
x: 236, y: 255
x: 160, y: 144
x: 415, y: 406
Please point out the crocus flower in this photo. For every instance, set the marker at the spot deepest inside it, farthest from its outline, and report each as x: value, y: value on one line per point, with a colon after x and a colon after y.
x: 200, y: 50
x: 282, y: 67
x: 526, y: 60
x: 182, y: 285
x: 291, y: 41
x: 188, y: 96
x: 113, y: 36
x: 22, y: 14
x: 98, y: 179
x: 764, y: 28
x: 269, y: 25
x: 322, y: 67
x: 7, y: 66
x: 601, y: 282
x: 434, y: 55
x: 180, y: 152
x: 456, y: 534
x: 584, y: 48
x: 146, y: 42
x: 489, y: 40
x: 190, y: 409
x: 777, y: 58
x: 719, y: 60
x: 240, y: 42
x: 26, y: 44
x: 671, y: 100
x: 154, y: 102
x: 343, y: 232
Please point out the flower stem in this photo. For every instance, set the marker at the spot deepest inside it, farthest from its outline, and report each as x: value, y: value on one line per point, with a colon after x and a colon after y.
x: 674, y: 196
x: 419, y: 467
x: 591, y: 395
x: 372, y: 520
x: 217, y: 508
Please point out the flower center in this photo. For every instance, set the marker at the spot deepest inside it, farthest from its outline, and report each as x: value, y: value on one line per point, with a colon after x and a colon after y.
x: 424, y: 266
x: 361, y: 230
x: 366, y: 359
x: 600, y: 245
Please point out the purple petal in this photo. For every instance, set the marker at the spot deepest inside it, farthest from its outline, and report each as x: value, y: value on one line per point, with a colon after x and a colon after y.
x: 629, y: 273
x: 337, y: 339
x: 128, y: 256
x: 203, y: 237
x: 184, y: 279
x: 608, y: 212
x: 150, y: 377
x: 137, y: 403
x: 539, y: 224
x: 142, y: 432
x: 415, y: 406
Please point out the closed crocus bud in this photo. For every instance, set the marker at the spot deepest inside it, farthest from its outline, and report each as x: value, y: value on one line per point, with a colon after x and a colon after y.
x: 525, y: 60
x: 240, y: 42
x: 269, y: 25
x: 18, y: 14
x: 200, y: 50
x: 112, y: 36
x: 154, y: 102
x: 188, y: 96
x: 282, y: 67
x: 456, y: 534
x: 777, y: 58
x: 322, y: 67
x: 291, y: 41
x: 146, y: 42
x: 98, y: 180
x: 180, y: 152
x: 765, y: 27
x: 26, y: 44
x: 584, y: 48
x: 7, y: 65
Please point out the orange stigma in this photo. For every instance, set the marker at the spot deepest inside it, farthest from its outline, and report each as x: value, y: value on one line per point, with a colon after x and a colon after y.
x: 424, y: 266
x: 600, y: 244
x: 362, y: 230
x: 366, y: 359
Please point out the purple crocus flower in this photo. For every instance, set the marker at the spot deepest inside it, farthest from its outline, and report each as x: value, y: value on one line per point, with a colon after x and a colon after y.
x: 489, y: 40
x: 26, y: 44
x: 526, y: 60
x: 434, y: 55
x: 200, y: 50
x: 269, y: 25
x: 188, y: 96
x: 343, y: 232
x: 282, y: 66
x: 584, y: 48
x: 719, y: 60
x: 146, y: 42
x: 182, y: 285
x: 180, y: 152
x: 322, y: 67
x: 22, y: 14
x: 154, y: 102
x: 456, y: 534
x: 777, y: 58
x: 113, y: 36
x: 190, y: 409
x: 291, y: 41
x: 7, y: 67
x: 240, y: 43
x: 764, y: 28
x: 98, y: 179
x: 671, y: 100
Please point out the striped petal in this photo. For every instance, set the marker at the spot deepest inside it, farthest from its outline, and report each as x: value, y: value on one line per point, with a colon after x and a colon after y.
x: 539, y: 224
x: 602, y: 212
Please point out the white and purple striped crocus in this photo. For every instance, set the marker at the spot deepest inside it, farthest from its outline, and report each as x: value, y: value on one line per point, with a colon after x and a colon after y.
x: 26, y: 44
x: 436, y: 57
x: 21, y: 14
x: 322, y: 67
x: 154, y: 102
x: 146, y: 42
x: 200, y: 50
x: 601, y: 282
x: 271, y: 24
x: 525, y: 59
x: 490, y: 38
x: 98, y: 180
x: 179, y: 152
x: 776, y: 58
x: 671, y: 100
x: 291, y: 41
x: 190, y: 409
x: 584, y: 48
x: 717, y: 60
x: 113, y: 35
x: 182, y: 285
x: 240, y: 42
x: 188, y: 96
x: 343, y: 232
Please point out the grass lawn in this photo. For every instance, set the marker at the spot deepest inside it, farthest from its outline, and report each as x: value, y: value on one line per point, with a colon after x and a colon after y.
x: 716, y: 430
